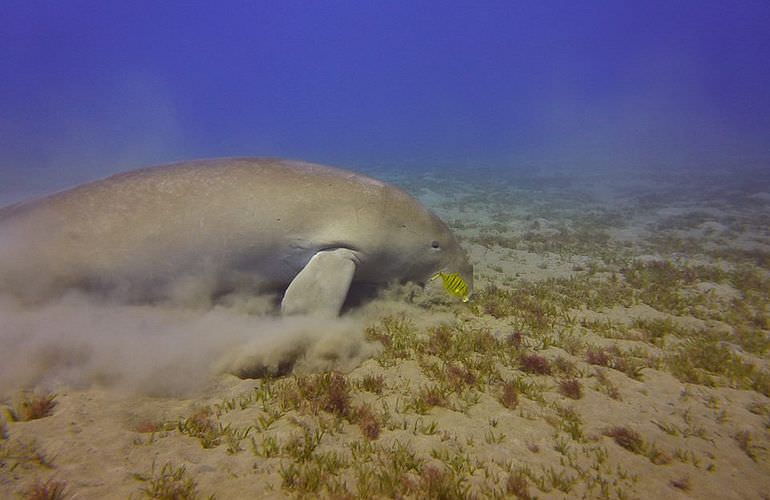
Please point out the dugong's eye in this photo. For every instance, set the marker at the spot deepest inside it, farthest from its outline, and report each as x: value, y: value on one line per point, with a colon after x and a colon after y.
x: 434, y: 244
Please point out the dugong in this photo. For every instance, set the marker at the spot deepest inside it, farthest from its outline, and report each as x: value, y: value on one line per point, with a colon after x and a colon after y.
x: 221, y: 226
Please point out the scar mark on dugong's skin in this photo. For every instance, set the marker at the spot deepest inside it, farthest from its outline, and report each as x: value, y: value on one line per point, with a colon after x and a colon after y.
x: 233, y: 224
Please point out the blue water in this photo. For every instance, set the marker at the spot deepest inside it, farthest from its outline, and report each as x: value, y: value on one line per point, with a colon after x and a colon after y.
x: 88, y: 88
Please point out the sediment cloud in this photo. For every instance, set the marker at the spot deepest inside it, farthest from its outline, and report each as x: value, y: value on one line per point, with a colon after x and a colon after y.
x: 77, y: 341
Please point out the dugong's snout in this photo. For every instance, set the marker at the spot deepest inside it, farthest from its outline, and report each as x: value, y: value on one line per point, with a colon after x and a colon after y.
x: 458, y: 265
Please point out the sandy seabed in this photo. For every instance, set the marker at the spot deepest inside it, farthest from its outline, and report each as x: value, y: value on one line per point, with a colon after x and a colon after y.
x: 616, y: 346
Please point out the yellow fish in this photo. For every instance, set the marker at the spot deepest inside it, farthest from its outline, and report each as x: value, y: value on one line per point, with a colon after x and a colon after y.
x: 454, y: 284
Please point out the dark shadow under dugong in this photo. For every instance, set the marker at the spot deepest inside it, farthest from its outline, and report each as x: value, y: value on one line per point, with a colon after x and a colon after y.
x: 224, y: 225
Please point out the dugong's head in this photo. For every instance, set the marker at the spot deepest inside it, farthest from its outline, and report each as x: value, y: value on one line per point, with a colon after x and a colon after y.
x: 441, y: 253
x: 417, y: 244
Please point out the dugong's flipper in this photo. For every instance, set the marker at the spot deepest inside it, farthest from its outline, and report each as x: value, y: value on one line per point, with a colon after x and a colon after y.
x: 321, y: 286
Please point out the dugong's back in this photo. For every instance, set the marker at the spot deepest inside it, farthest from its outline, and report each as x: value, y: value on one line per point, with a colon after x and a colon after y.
x: 132, y: 232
